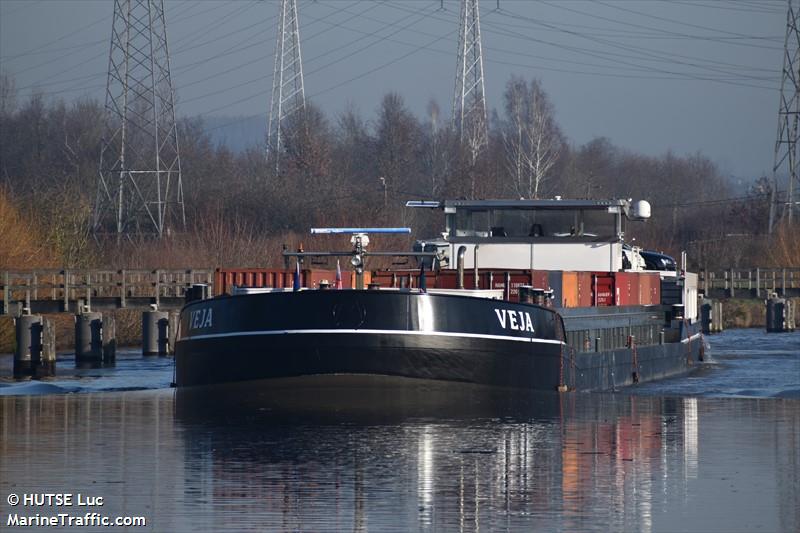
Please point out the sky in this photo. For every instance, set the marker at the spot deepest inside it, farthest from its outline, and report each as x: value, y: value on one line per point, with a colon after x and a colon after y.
x: 651, y: 75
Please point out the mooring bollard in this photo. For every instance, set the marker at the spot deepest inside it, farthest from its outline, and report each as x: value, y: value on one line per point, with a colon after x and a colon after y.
x: 706, y: 316
x: 109, y: 325
x: 526, y: 295
x: 155, y: 326
x: 778, y: 315
x: 88, y: 338
x: 28, y: 330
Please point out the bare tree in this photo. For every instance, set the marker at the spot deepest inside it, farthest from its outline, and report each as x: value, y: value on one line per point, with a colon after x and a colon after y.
x: 8, y: 94
x: 531, y: 137
x: 397, y: 137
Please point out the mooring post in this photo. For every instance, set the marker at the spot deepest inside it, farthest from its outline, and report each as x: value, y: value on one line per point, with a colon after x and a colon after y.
x: 776, y: 314
x: 733, y: 291
x: 28, y: 331
x: 88, y: 338
x: 155, y: 324
x: 707, y: 316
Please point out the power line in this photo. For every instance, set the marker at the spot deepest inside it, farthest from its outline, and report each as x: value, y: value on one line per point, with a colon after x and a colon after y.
x: 642, y: 53
x: 601, y: 56
x: 501, y: 29
x: 198, y: 33
x: 347, y: 56
x: 673, y: 21
x: 715, y: 201
x: 57, y: 40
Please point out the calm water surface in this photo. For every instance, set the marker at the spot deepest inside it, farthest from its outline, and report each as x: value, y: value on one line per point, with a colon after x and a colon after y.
x: 718, y: 450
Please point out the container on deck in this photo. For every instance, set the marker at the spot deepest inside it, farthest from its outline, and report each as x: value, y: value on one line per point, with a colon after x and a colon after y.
x: 569, y: 289
x: 585, y: 289
x: 626, y: 288
x: 603, y: 289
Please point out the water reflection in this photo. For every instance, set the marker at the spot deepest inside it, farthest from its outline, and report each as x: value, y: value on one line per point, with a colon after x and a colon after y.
x: 381, y: 455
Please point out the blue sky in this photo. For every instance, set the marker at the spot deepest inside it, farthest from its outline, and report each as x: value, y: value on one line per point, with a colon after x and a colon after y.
x: 651, y: 75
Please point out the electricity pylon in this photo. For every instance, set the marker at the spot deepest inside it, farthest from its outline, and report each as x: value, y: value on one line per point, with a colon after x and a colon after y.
x: 469, y: 101
x: 288, y: 94
x: 788, y: 117
x: 140, y: 190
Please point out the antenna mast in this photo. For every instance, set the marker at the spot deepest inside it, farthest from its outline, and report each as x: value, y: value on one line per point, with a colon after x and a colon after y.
x: 288, y: 94
x: 788, y: 117
x: 469, y: 102
x: 140, y: 190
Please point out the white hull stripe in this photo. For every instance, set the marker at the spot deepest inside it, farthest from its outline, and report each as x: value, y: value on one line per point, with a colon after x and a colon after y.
x: 368, y: 332
x: 693, y: 337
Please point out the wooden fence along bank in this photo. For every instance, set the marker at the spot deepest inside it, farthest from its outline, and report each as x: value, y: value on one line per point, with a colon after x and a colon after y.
x: 69, y: 291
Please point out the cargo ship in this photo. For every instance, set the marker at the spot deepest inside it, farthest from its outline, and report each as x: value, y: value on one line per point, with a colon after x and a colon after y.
x: 534, y: 294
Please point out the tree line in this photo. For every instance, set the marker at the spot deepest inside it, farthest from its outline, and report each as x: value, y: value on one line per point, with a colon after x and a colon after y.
x: 354, y: 170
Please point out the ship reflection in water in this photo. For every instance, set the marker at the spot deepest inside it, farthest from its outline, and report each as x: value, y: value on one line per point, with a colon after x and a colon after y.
x: 378, y: 455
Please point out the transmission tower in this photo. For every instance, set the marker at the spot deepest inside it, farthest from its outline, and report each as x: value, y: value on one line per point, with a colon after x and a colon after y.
x: 140, y: 191
x: 288, y: 95
x: 788, y: 117
x: 469, y: 102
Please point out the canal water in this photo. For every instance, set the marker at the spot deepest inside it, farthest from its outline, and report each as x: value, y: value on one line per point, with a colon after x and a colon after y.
x: 718, y: 450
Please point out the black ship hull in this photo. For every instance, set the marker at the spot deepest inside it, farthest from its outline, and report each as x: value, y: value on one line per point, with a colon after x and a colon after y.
x: 407, y: 334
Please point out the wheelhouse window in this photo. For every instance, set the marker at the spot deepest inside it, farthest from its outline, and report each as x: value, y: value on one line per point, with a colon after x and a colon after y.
x: 522, y: 223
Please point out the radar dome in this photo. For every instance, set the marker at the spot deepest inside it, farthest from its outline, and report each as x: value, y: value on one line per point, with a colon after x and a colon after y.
x: 641, y: 209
